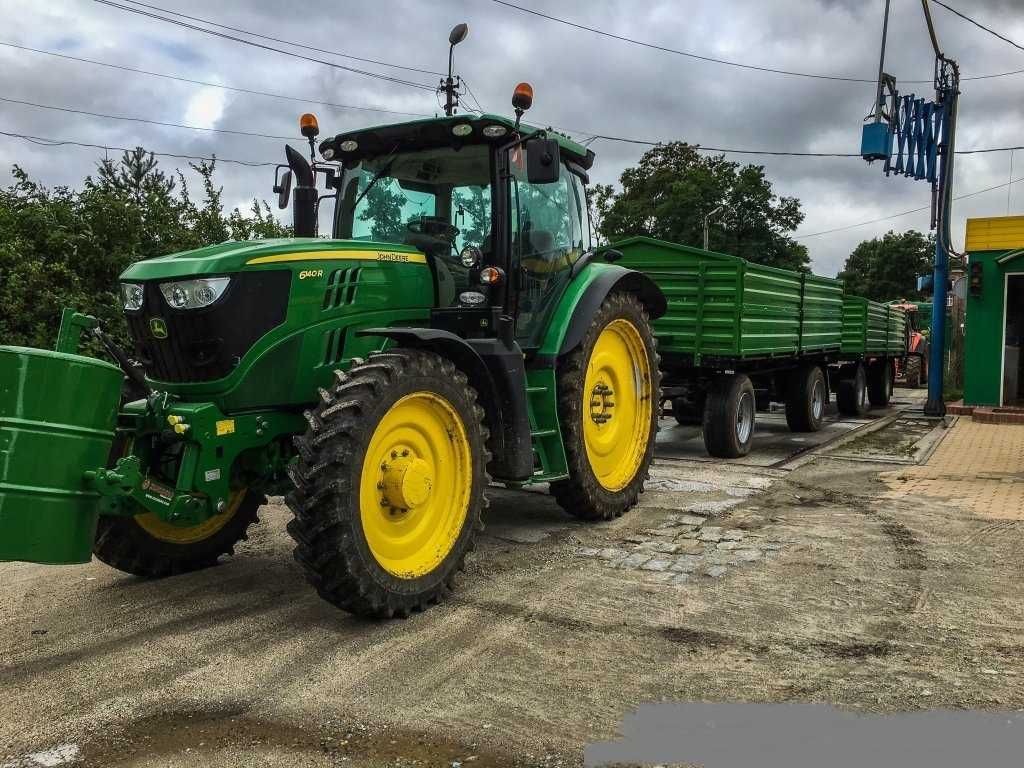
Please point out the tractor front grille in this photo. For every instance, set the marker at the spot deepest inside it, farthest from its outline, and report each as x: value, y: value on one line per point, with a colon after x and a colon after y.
x: 195, y: 345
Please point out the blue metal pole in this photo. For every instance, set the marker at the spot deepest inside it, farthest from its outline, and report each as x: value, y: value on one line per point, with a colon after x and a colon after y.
x: 936, y: 405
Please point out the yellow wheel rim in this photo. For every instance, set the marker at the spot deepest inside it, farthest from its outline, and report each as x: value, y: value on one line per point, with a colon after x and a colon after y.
x: 416, y: 484
x: 617, y: 405
x: 159, y: 528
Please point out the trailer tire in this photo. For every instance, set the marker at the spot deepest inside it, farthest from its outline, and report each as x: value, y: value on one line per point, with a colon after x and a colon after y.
x: 729, y: 416
x: 851, y: 394
x: 880, y: 377
x: 598, y: 487
x: 686, y: 415
x: 390, y: 484
x: 806, y: 395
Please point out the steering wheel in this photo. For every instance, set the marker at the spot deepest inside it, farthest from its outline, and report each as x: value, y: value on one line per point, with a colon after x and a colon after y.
x: 433, y: 226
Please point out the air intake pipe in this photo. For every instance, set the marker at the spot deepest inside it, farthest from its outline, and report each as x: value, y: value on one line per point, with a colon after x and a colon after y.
x: 305, y: 196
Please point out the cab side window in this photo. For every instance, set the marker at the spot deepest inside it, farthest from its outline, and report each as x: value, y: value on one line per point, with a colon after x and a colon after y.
x: 548, y: 236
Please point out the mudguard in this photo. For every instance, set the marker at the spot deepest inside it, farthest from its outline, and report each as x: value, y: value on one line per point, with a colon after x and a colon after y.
x: 581, y: 300
x: 498, y: 374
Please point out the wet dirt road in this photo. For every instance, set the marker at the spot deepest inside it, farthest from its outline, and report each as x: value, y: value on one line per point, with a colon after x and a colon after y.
x: 730, y: 583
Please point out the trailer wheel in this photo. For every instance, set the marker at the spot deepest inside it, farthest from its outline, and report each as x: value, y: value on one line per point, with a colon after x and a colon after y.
x: 685, y: 414
x: 729, y: 416
x: 609, y: 405
x: 390, y: 483
x: 805, y: 399
x: 852, y: 394
x: 880, y: 376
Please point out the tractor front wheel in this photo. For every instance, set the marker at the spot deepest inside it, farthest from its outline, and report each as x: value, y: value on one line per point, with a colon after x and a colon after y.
x: 146, y: 545
x: 390, y: 483
x: 609, y: 402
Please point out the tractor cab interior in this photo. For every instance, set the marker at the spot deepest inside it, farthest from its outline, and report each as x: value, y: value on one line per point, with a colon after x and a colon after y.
x: 437, y: 200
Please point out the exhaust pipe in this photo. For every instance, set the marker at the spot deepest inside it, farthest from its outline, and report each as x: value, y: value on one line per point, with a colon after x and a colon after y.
x: 306, y: 195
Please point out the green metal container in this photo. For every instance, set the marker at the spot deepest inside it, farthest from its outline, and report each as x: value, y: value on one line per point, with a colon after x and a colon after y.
x: 726, y: 307
x: 872, y: 328
x: 57, y: 418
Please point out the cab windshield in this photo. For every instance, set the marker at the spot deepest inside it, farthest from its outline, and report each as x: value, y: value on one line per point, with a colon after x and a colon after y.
x: 436, y: 200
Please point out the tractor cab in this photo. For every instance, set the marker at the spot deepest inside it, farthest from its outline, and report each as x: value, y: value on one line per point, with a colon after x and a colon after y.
x: 498, y: 208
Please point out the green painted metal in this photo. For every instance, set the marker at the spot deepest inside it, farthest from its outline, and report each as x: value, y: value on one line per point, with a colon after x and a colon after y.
x: 545, y: 430
x: 985, y: 328
x: 57, y: 418
x: 726, y: 307
x: 872, y: 328
x: 285, y: 367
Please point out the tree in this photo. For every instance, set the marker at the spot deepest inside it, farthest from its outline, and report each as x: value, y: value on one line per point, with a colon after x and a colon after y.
x: 674, y: 186
x: 886, y: 268
x: 64, y: 248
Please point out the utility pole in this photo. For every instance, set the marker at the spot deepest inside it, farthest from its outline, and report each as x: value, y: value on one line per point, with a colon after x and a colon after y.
x: 707, y: 220
x: 925, y: 136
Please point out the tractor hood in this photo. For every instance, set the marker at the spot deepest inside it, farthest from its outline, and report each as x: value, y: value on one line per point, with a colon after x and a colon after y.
x: 229, y: 257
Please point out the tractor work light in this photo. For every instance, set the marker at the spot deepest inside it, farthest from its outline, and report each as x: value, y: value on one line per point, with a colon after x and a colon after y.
x: 327, y: 153
x: 349, y: 145
x: 131, y: 296
x: 194, y: 294
x: 495, y: 131
x: 462, y: 129
x: 470, y: 256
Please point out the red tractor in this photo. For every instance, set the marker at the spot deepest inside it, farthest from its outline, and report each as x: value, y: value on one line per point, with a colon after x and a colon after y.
x: 913, y: 369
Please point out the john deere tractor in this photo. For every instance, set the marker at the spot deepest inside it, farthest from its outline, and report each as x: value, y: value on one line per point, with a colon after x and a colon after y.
x: 457, y: 329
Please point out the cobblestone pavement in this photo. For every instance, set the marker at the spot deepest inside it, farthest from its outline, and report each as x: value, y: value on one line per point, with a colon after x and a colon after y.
x: 687, y: 539
x: 977, y: 466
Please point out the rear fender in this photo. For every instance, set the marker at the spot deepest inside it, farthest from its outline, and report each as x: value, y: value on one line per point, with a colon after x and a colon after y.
x: 498, y: 375
x: 583, y: 298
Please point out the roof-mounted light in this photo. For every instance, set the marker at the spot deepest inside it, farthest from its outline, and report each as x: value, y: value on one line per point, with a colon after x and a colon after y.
x: 462, y: 129
x: 495, y: 131
x: 308, y: 126
x: 349, y: 145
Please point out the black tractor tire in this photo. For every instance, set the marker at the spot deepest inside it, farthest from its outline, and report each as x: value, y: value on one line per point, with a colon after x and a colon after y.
x: 332, y: 545
x: 124, y: 543
x: 880, y: 378
x: 582, y: 495
x: 914, y: 372
x: 806, y: 396
x: 851, y: 394
x: 728, y: 424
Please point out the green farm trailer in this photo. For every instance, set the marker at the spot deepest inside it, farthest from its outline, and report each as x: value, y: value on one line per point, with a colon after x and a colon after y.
x: 736, y: 336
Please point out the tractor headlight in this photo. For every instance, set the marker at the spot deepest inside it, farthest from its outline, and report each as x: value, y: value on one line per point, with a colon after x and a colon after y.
x: 131, y: 296
x: 194, y: 294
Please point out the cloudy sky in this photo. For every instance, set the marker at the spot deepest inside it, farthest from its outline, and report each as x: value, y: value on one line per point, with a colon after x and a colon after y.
x: 584, y: 82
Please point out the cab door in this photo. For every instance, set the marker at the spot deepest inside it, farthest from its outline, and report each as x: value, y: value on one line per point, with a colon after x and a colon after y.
x: 549, y: 232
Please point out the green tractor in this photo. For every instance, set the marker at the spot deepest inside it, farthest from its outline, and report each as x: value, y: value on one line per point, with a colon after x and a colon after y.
x: 458, y: 328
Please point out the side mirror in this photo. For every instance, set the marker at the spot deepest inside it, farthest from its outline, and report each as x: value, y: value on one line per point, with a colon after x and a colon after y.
x: 284, y: 190
x: 543, y: 161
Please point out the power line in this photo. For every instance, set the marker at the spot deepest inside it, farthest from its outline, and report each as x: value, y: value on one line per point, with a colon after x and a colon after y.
x: 43, y: 141
x: 979, y: 25
x: 208, y: 84
x: 144, y: 120
x: 714, y: 60
x: 906, y: 213
x: 262, y: 46
x: 279, y: 40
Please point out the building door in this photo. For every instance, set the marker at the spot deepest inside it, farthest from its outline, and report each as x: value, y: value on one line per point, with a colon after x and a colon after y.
x: 1013, y: 342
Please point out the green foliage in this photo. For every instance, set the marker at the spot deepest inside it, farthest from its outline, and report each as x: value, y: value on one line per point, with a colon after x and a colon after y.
x: 674, y: 186
x: 65, y: 248
x: 886, y: 268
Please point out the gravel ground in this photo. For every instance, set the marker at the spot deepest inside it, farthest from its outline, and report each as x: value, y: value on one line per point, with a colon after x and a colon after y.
x: 805, y: 585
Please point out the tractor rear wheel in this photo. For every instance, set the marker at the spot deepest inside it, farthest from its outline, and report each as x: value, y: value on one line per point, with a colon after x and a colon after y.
x: 852, y: 392
x: 146, y: 545
x: 880, y: 376
x: 609, y: 402
x: 390, y: 484
x: 729, y: 416
x: 913, y: 375
x: 805, y: 399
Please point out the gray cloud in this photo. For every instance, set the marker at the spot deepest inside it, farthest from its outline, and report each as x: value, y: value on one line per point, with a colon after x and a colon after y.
x: 583, y: 82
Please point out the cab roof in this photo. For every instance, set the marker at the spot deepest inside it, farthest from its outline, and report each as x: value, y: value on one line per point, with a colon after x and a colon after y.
x: 437, y: 131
